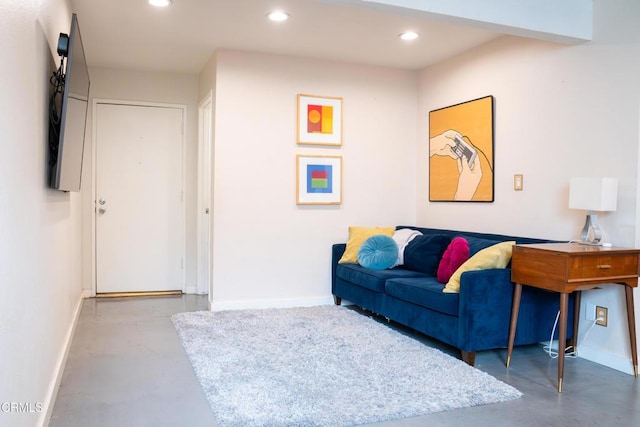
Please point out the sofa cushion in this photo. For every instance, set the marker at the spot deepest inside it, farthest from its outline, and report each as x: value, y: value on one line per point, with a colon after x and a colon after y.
x: 378, y: 252
x: 357, y: 236
x: 371, y: 279
x: 476, y: 244
x: 456, y: 254
x: 424, y: 252
x: 496, y: 256
x: 425, y: 292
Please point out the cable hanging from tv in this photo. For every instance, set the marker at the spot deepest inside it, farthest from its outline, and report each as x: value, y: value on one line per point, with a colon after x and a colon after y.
x: 57, y: 81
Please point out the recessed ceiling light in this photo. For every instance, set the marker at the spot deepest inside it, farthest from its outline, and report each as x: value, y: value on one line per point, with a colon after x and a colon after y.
x: 160, y: 3
x: 278, y: 16
x: 409, y: 35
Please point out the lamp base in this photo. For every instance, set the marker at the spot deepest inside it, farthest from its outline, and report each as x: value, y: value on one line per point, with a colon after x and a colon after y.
x: 591, y: 228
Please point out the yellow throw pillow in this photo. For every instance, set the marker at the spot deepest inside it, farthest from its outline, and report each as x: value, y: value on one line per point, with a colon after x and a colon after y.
x: 496, y: 256
x: 357, y: 236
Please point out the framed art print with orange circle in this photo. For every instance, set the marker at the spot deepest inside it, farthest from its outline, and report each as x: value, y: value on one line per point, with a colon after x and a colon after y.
x: 319, y: 120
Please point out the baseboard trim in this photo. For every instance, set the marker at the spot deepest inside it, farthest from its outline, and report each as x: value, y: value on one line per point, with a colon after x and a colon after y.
x: 52, y: 391
x: 268, y: 303
x: 614, y: 361
x: 139, y: 294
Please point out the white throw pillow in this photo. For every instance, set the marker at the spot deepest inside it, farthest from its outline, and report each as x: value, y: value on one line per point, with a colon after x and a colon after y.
x: 402, y: 238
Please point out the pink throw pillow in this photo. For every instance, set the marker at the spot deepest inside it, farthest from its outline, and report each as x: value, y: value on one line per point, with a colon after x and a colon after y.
x: 454, y: 256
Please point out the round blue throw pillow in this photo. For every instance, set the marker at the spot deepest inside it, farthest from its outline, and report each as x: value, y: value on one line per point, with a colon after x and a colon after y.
x: 378, y: 252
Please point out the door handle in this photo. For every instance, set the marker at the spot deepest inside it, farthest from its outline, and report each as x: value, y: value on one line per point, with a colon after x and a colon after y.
x: 102, y: 202
x: 101, y: 210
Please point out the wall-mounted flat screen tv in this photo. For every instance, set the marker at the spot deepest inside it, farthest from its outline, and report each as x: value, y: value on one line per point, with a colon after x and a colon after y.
x: 68, y: 115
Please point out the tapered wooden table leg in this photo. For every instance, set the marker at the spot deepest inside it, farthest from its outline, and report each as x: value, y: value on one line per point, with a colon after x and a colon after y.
x: 576, y: 319
x: 515, y: 308
x: 631, y: 319
x: 562, y: 336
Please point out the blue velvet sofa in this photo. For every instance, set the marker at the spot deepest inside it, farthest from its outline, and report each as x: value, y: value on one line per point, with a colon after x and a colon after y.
x: 473, y: 320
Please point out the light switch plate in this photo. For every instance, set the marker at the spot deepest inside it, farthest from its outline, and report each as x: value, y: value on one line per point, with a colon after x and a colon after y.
x: 517, y: 182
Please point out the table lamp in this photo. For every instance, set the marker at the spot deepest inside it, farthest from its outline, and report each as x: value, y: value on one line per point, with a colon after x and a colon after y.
x: 593, y: 194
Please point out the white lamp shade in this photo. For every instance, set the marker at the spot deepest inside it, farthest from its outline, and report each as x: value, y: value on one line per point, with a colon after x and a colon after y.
x: 593, y: 194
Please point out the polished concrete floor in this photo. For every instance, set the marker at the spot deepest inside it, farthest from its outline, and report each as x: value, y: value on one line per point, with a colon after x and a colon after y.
x: 126, y: 367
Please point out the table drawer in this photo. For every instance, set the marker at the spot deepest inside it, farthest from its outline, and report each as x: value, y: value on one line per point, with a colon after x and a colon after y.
x: 601, y: 266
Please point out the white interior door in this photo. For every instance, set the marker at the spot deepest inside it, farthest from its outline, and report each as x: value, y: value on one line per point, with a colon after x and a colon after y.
x: 139, y: 213
x: 204, y: 195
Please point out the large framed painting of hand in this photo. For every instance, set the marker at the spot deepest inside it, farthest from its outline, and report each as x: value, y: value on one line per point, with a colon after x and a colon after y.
x: 461, y: 152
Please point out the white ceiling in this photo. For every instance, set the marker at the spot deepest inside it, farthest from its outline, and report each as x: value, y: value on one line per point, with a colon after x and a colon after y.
x: 130, y: 34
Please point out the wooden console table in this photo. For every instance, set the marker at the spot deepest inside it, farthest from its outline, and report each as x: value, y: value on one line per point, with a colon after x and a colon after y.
x: 567, y: 268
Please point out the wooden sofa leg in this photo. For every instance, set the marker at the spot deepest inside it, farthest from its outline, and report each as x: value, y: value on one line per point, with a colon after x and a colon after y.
x: 469, y: 357
x: 337, y: 300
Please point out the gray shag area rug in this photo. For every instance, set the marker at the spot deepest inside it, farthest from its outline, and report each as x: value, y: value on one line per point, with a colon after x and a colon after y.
x: 323, y: 366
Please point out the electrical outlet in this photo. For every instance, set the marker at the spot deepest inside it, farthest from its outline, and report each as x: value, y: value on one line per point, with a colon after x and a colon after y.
x: 601, y: 313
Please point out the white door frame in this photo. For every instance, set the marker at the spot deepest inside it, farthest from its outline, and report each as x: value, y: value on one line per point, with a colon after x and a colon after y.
x: 205, y: 223
x: 94, y: 138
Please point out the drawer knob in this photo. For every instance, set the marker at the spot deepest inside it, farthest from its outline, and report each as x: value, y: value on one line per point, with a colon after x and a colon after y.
x: 604, y: 266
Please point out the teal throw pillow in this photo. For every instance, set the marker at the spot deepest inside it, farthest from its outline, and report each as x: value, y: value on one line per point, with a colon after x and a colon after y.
x: 378, y: 252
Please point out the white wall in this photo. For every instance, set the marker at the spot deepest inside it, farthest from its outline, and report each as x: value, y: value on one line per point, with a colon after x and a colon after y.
x: 267, y: 250
x: 40, y: 241
x: 147, y: 87
x: 560, y: 112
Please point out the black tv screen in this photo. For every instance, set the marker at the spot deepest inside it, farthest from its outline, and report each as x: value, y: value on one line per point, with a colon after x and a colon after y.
x: 67, y: 128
